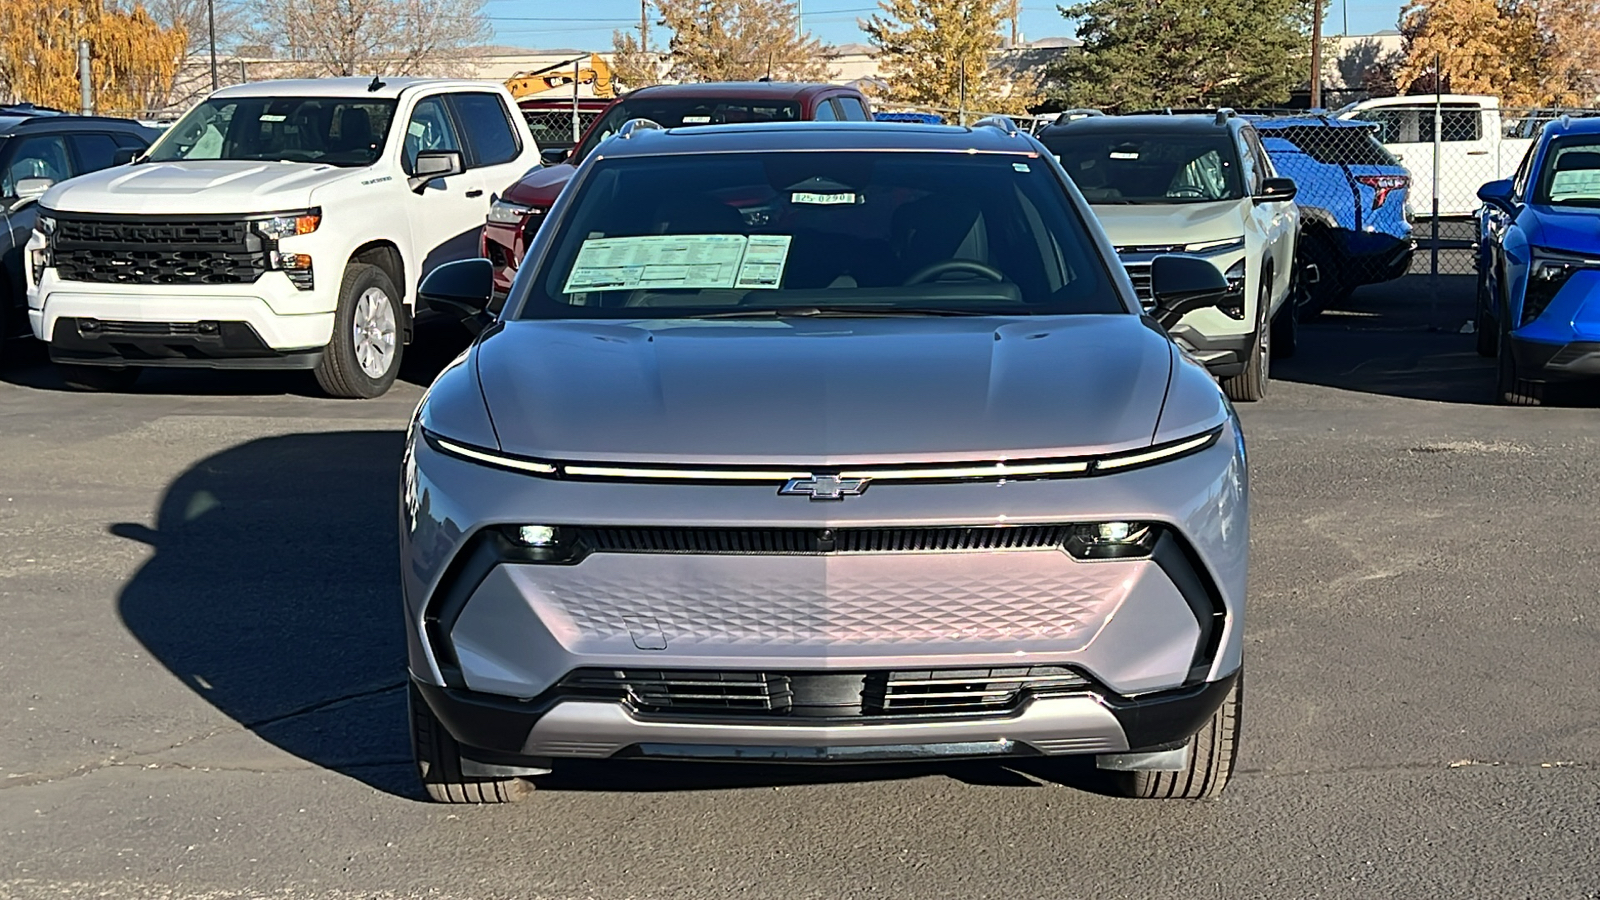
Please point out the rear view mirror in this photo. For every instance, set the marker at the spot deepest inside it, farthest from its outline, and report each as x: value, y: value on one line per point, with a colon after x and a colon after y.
x: 33, y: 188
x: 1277, y: 190
x: 433, y: 164
x: 1183, y: 284
x: 554, y: 156
x: 464, y: 289
x: 1498, y: 194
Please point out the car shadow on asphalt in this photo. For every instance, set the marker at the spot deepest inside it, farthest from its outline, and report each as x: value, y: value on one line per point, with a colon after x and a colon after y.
x: 1401, y: 339
x: 274, y: 594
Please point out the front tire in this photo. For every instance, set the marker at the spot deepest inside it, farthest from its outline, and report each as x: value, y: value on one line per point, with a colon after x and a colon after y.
x: 98, y: 379
x: 1211, y: 756
x: 1487, y: 331
x: 1250, y: 385
x: 438, y: 759
x: 1510, y: 388
x: 363, y: 357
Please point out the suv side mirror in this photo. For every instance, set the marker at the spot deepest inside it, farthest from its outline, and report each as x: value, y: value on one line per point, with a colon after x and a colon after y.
x: 1183, y: 284
x: 554, y: 156
x: 434, y: 164
x: 124, y: 155
x: 1499, y: 194
x: 32, y: 188
x: 1277, y: 190
x: 463, y: 288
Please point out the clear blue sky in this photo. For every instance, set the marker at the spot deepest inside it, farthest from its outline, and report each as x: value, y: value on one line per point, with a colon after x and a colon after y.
x: 587, y: 24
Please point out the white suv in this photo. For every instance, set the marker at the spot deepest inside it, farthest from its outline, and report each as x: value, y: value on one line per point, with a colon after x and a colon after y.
x: 277, y: 225
x: 1198, y: 185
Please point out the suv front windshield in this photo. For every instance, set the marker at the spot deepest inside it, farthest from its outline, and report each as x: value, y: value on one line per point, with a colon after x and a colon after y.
x: 1570, y: 174
x: 331, y: 130
x: 1170, y: 167
x: 680, y: 112
x: 819, y: 233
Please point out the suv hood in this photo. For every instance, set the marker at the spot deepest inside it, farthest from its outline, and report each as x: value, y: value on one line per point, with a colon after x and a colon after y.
x: 541, y: 186
x: 824, y: 391
x: 199, y: 186
x: 1171, y: 223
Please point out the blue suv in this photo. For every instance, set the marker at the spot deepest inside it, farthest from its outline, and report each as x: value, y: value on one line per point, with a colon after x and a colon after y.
x: 1539, y: 265
x: 1355, y: 225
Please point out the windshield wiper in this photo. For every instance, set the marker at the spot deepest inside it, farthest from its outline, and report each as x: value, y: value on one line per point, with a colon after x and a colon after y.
x: 844, y: 312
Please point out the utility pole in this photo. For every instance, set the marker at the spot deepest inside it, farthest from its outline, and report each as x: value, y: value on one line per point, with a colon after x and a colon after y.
x: 644, y: 25
x: 85, y: 80
x: 1316, y: 54
x: 211, y: 27
x: 799, y: 29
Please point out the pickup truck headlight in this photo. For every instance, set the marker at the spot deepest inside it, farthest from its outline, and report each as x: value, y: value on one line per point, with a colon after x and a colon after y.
x: 1547, y: 274
x: 39, y: 257
x: 1209, y: 248
x: 286, y: 225
x: 504, y: 212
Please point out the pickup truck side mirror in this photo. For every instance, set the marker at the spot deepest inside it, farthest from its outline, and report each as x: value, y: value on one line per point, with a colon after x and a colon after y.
x: 435, y: 164
x: 32, y: 188
x: 554, y: 156
x: 124, y: 155
x: 1498, y: 194
x: 1277, y: 190
x: 464, y: 289
x: 1183, y: 284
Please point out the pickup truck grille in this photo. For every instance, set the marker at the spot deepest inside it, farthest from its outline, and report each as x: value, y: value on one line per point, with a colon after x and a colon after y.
x: 128, y: 250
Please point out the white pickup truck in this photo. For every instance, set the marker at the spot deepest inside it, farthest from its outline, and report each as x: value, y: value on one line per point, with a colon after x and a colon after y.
x: 280, y: 225
x: 1473, y: 146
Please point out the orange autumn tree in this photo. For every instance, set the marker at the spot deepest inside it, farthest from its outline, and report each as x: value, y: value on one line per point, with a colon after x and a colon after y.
x: 133, y: 58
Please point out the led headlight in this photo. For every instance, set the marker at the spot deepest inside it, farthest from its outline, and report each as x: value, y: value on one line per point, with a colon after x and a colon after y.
x: 39, y: 258
x: 544, y: 544
x: 1112, y: 540
x: 1548, y: 273
x: 504, y: 212
x: 1233, y: 304
x: 535, y: 535
x: 1207, y: 248
x: 286, y: 225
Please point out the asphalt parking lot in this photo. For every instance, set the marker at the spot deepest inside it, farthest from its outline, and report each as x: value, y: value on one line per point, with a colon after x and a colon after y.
x: 201, y: 671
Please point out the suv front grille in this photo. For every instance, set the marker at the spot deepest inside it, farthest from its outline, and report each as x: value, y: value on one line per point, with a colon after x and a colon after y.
x: 119, y: 250
x: 826, y: 695
x: 805, y: 541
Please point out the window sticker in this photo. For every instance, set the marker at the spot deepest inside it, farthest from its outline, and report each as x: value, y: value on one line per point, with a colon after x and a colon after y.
x: 1021, y: 167
x: 687, y: 261
x: 814, y: 199
x: 268, y: 117
x: 1123, y: 154
x: 697, y: 120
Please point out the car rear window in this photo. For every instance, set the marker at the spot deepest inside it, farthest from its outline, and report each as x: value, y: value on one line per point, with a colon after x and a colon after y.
x: 1148, y: 167
x: 676, y: 236
x: 1336, y: 146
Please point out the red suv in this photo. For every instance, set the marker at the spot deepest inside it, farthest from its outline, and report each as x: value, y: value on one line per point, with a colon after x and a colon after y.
x: 515, y: 215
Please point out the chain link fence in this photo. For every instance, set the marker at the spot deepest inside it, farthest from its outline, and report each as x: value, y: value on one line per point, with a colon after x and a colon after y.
x: 559, y: 127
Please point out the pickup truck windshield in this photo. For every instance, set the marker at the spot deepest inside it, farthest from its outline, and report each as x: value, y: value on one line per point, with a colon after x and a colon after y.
x: 678, y: 112
x: 820, y: 233
x: 1170, y: 167
x: 329, y: 130
x: 1570, y: 175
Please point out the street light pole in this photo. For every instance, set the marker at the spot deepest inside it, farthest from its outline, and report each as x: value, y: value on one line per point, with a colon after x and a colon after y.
x: 211, y: 27
x: 1316, y: 54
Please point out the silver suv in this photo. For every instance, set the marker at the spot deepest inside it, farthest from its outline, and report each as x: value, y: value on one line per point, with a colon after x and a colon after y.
x: 824, y: 442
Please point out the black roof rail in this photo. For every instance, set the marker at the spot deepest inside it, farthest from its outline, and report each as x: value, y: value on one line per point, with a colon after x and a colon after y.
x: 1224, y: 114
x: 1004, y: 123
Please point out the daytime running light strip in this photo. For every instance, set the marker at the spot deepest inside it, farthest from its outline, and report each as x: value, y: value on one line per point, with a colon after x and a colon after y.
x: 1118, y: 462
x: 998, y: 470
x: 494, y: 459
x: 706, y: 474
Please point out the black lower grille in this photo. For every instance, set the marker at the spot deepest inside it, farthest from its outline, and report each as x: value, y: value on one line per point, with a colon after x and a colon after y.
x: 801, y: 541
x: 829, y: 695
x: 138, y: 250
x: 143, y: 329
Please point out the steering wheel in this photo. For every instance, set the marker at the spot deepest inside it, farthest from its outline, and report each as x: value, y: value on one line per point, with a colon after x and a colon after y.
x: 971, y: 266
x: 1185, y: 190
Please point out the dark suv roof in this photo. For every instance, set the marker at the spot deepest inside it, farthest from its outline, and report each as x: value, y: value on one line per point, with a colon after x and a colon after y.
x: 23, y: 119
x: 741, y: 90
x: 1186, y: 123
x: 816, y: 136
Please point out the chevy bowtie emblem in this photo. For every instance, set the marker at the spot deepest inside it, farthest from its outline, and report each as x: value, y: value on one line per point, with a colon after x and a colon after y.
x: 825, y: 487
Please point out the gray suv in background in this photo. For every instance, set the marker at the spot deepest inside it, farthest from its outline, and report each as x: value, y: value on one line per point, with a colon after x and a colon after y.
x: 824, y: 443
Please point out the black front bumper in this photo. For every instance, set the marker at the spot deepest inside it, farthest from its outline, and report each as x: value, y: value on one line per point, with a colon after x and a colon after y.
x: 185, y: 345
x: 1538, y: 361
x: 1224, y: 356
x: 494, y: 729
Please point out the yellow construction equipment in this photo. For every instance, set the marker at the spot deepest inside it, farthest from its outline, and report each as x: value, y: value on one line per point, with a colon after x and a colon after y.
x: 596, y: 73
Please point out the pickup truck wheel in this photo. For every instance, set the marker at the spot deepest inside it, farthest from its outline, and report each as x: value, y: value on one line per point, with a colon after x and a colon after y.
x: 1251, y: 384
x: 98, y: 378
x: 438, y: 758
x: 363, y: 358
x: 1211, y: 754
